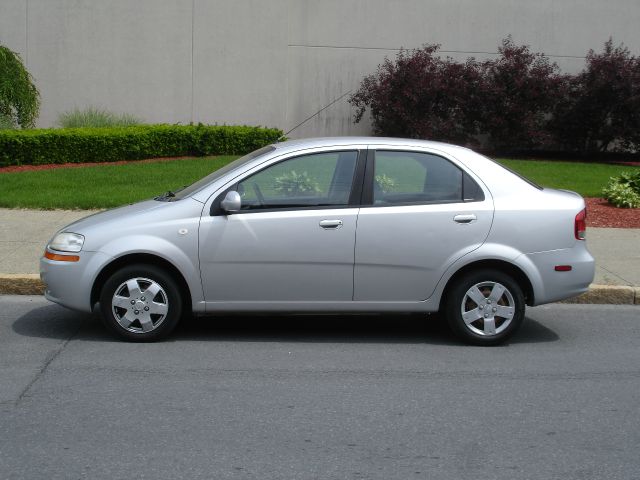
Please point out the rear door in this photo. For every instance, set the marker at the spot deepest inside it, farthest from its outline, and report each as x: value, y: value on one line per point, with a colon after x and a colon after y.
x: 421, y: 212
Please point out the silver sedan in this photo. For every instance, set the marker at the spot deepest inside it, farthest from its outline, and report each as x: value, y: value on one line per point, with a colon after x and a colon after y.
x: 334, y: 225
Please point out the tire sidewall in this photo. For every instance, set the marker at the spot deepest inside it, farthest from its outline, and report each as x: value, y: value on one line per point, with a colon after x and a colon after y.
x: 454, y: 301
x: 151, y: 272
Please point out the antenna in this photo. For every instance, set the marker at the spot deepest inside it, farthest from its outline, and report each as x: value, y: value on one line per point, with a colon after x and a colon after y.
x: 319, y: 111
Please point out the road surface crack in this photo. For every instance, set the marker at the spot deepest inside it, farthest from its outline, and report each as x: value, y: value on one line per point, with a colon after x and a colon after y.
x: 49, y: 360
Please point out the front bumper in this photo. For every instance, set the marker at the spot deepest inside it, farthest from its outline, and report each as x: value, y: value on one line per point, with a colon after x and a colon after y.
x: 69, y: 283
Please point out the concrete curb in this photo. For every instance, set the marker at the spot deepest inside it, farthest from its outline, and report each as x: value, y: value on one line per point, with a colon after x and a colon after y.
x: 17, y: 284
x: 609, y: 294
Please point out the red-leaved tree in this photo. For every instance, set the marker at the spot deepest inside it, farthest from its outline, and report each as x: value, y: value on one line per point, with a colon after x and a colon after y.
x: 519, y: 89
x: 600, y: 107
x: 420, y: 95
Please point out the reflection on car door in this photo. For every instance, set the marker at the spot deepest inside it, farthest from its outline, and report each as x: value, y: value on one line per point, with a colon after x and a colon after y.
x: 424, y: 213
x: 293, y: 240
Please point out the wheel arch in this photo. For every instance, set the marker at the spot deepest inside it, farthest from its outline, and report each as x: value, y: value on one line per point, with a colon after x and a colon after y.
x: 501, y: 265
x: 141, y: 258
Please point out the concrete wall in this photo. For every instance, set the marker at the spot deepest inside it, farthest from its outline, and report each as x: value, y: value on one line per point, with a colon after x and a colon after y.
x: 273, y: 62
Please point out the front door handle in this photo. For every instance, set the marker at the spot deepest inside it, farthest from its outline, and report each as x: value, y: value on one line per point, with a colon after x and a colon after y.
x: 465, y: 218
x: 331, y: 224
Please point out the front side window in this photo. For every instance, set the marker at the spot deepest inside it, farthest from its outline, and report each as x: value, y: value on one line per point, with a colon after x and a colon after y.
x: 415, y: 178
x: 320, y: 179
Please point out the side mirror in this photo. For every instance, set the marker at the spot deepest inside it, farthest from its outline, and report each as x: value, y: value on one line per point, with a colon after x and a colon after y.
x: 232, y: 202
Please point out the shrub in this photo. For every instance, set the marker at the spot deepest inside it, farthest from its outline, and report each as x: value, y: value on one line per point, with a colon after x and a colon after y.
x: 519, y: 101
x: 421, y: 95
x: 74, y: 145
x: 600, y: 107
x: 96, y: 118
x: 624, y: 190
x: 519, y: 89
x: 19, y: 97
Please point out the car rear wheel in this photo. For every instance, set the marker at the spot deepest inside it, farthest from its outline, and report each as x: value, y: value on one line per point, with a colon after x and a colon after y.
x: 485, y: 307
x: 141, y: 303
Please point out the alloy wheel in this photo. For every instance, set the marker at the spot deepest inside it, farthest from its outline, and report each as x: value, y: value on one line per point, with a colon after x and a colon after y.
x: 487, y: 308
x: 140, y: 305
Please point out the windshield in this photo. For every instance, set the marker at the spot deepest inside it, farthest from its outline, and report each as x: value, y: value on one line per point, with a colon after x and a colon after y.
x: 194, y: 187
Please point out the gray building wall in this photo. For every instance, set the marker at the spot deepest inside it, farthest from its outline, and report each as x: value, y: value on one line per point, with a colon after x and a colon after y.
x: 273, y: 62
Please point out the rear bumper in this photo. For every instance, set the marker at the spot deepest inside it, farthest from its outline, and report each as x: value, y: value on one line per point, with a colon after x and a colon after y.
x: 552, y: 286
x: 69, y: 283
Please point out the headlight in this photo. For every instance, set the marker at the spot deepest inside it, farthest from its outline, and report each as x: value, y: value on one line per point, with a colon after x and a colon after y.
x: 67, y: 242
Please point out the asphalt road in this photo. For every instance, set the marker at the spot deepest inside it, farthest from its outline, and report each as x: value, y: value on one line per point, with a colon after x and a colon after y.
x: 319, y: 398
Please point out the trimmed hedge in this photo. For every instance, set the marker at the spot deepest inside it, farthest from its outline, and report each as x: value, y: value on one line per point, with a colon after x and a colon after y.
x: 77, y: 145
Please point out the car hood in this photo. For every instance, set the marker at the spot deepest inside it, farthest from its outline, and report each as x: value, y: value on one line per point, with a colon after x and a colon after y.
x: 148, y: 218
x: 100, y: 218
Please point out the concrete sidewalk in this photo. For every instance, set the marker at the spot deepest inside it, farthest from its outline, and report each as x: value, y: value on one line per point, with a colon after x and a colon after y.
x: 24, y: 234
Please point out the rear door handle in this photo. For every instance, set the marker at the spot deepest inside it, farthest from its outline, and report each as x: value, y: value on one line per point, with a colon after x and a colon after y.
x: 465, y: 218
x: 331, y: 224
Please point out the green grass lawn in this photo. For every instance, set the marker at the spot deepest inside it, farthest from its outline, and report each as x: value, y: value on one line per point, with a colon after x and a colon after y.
x: 585, y: 178
x: 105, y: 186
x: 101, y: 186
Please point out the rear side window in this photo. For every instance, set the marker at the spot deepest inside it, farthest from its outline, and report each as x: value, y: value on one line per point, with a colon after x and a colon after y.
x: 415, y: 178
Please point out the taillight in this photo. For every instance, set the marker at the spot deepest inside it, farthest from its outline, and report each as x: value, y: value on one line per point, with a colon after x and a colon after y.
x: 580, y: 225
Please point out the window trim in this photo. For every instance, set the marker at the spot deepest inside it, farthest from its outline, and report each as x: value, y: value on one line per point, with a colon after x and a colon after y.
x: 355, y: 194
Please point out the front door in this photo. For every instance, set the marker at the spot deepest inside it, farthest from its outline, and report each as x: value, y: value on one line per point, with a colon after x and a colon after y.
x: 293, y: 240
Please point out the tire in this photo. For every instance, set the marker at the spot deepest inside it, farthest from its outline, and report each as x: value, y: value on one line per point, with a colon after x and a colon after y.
x: 485, y: 307
x: 141, y: 303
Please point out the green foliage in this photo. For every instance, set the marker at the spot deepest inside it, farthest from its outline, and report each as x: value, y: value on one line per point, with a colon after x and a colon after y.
x: 95, y: 117
x: 386, y: 183
x: 19, y: 97
x: 77, y: 145
x: 624, y: 190
x: 6, y: 123
x: 293, y: 184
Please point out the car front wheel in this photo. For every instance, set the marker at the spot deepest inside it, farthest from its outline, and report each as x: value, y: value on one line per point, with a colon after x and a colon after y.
x: 485, y: 307
x: 141, y: 303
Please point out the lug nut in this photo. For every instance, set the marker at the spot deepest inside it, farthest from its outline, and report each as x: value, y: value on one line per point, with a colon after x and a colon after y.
x: 480, y: 307
x: 142, y: 298
x: 136, y: 312
x: 146, y: 309
x: 495, y: 309
x: 133, y: 302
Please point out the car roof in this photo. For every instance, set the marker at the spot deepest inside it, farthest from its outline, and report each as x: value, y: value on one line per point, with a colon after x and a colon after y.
x: 291, y: 145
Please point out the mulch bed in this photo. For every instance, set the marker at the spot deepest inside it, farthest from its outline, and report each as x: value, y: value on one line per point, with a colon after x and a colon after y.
x: 599, y: 212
